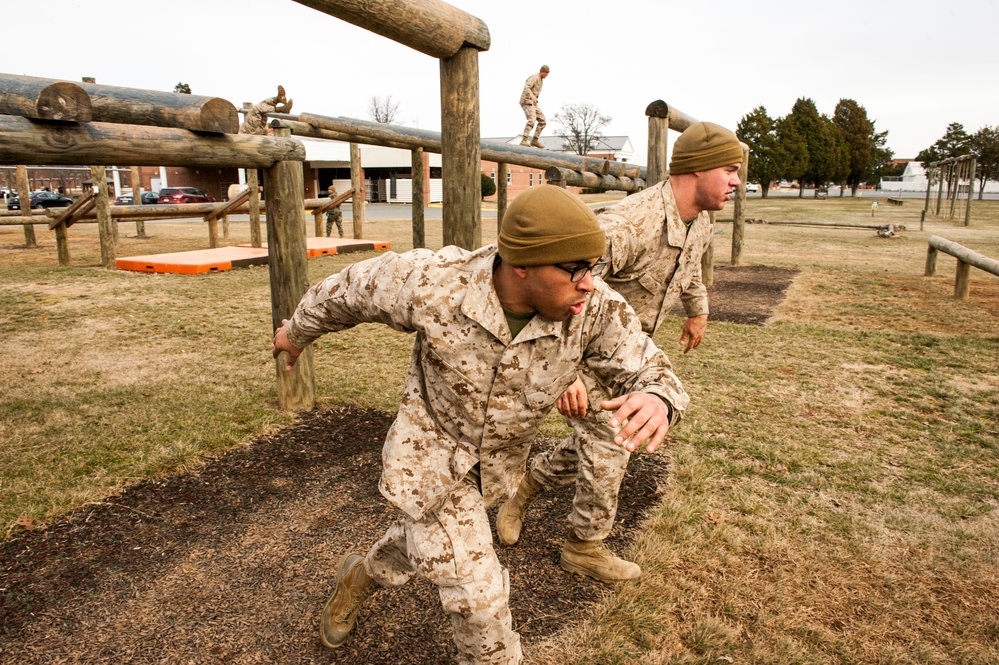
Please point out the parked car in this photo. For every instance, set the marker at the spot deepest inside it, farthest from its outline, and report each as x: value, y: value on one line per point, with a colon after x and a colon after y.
x: 183, y: 195
x: 752, y: 187
x: 147, y: 199
x: 40, y: 200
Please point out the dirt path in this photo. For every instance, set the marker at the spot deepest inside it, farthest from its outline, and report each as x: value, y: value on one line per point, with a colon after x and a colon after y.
x: 232, y: 564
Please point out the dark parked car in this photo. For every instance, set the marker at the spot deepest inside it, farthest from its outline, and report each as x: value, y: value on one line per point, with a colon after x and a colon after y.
x: 148, y: 198
x: 183, y: 195
x: 40, y: 200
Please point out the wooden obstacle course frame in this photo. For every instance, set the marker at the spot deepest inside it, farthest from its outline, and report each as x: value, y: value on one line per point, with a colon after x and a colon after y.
x: 966, y: 258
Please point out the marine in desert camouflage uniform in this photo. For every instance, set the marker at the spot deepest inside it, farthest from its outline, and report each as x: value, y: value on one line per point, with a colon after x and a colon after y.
x: 256, y: 117
x: 655, y: 241
x: 529, y: 102
x: 500, y: 334
x: 334, y: 215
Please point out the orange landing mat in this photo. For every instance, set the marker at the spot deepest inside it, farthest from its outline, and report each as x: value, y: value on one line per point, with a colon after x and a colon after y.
x: 241, y: 256
x: 331, y: 246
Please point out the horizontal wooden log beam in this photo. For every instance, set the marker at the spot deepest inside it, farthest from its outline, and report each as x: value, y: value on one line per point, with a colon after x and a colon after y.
x: 44, y: 99
x: 678, y: 120
x: 362, y: 131
x: 964, y: 254
x: 432, y: 27
x: 23, y: 141
x: 554, y: 174
x: 233, y: 204
x: 132, y: 106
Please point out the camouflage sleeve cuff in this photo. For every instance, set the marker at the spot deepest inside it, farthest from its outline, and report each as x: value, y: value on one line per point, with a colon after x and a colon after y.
x: 674, y: 414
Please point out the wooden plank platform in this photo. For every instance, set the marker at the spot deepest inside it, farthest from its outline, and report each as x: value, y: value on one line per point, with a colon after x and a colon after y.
x: 226, y: 258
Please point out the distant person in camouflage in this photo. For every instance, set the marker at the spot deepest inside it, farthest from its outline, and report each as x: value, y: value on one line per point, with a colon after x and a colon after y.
x: 256, y: 117
x: 500, y: 334
x: 655, y: 241
x: 334, y: 215
x: 529, y: 102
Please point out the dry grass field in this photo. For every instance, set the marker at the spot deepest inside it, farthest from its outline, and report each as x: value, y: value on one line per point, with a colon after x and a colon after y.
x: 833, y: 490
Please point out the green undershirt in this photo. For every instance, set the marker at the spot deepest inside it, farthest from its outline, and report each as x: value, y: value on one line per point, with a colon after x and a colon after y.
x: 516, y: 322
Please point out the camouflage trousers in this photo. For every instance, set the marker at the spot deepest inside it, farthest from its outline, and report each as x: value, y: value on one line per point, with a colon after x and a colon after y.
x: 334, y: 216
x: 533, y: 114
x: 452, y: 547
x: 590, y: 458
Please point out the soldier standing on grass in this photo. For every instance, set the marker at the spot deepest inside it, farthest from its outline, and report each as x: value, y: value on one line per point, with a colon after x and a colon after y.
x: 334, y: 215
x: 529, y: 102
x: 500, y: 334
x: 655, y: 241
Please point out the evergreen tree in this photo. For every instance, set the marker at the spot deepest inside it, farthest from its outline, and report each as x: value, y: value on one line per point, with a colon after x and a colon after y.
x: 820, y: 143
x: 985, y: 147
x: 794, y: 149
x: 766, y: 156
x: 857, y: 131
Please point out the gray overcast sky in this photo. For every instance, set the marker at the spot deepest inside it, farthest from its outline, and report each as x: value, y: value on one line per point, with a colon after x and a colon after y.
x: 713, y: 60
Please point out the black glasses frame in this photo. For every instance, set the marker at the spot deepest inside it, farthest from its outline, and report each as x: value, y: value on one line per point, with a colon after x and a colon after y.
x: 577, y: 273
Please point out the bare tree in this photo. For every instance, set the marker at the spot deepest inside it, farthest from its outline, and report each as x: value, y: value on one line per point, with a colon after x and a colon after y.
x: 580, y: 126
x: 383, y: 110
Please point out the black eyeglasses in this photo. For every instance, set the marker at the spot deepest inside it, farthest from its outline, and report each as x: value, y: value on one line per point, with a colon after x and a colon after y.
x: 577, y: 273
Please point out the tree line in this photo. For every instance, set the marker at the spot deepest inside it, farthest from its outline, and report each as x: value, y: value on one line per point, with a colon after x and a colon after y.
x: 983, y: 145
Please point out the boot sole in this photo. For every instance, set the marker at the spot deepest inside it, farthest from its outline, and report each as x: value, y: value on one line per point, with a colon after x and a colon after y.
x: 577, y: 569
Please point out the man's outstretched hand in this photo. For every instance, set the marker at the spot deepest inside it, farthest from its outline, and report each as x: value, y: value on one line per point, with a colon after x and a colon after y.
x: 281, y: 343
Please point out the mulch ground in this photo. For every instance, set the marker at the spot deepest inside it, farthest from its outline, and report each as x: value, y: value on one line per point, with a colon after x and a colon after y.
x: 233, y: 563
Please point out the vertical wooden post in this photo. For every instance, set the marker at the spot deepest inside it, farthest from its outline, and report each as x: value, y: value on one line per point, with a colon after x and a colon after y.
x: 958, y: 171
x: 939, y: 190
x: 213, y: 232
x: 318, y: 223
x: 140, y: 224
x: 962, y: 280
x: 658, y: 141
x: 460, y: 149
x: 931, y: 261
x: 359, y: 195
x: 502, y: 195
x: 287, y: 265
x: 419, y: 224
x: 24, y: 196
x: 739, y: 214
x: 971, y: 190
x: 102, y: 209
x: 253, y: 182
x: 926, y: 205
x: 62, y: 244
x: 708, y: 258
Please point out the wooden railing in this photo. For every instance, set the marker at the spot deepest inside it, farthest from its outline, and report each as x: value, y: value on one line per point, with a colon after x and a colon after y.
x: 965, y: 260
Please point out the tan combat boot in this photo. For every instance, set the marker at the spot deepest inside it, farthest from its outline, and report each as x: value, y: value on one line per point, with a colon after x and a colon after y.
x: 525, y: 141
x: 594, y: 559
x: 536, y: 143
x: 510, y: 518
x: 353, y: 587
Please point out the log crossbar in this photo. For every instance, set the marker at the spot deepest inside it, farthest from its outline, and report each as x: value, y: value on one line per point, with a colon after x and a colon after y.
x: 339, y: 200
x: 965, y: 259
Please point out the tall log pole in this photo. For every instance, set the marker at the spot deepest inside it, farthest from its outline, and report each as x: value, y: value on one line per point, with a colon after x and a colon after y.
x: 419, y: 226
x: 253, y: 182
x: 658, y: 114
x: 971, y: 190
x: 357, y: 200
x: 501, y: 194
x: 105, y: 225
x: 460, y: 151
x: 285, y: 186
x: 708, y: 259
x: 24, y: 195
x: 140, y: 224
x: 739, y: 215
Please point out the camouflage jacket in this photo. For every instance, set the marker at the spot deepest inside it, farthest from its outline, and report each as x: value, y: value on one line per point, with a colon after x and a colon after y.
x: 653, y: 259
x: 532, y: 89
x: 472, y: 394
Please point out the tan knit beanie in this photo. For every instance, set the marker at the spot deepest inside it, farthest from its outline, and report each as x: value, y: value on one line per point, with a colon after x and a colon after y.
x: 545, y: 68
x: 546, y: 225
x: 704, y: 146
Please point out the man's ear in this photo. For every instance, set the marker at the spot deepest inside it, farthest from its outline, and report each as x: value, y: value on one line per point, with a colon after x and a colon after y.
x: 520, y: 272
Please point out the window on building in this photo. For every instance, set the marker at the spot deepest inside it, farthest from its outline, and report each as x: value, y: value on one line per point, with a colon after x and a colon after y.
x: 493, y: 175
x: 509, y: 177
x: 530, y: 179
